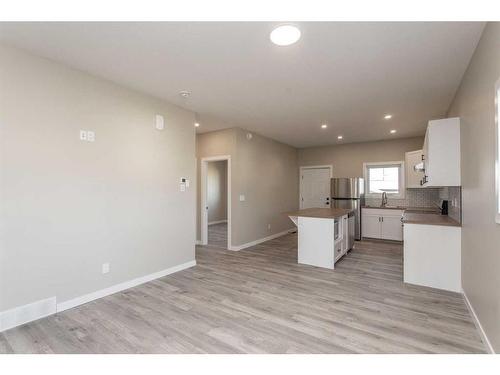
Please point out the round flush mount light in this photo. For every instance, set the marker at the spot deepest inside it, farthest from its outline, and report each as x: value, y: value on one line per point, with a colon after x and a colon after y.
x: 388, y: 117
x: 184, y: 93
x: 324, y: 126
x: 196, y: 124
x: 285, y: 35
x: 393, y: 131
x: 340, y: 137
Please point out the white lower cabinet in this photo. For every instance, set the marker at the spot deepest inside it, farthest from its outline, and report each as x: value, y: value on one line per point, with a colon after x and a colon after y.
x: 391, y: 228
x: 432, y: 256
x: 370, y: 225
x: 384, y: 224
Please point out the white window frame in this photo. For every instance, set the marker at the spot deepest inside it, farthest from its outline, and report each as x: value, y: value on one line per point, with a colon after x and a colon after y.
x: 402, y: 174
x: 497, y: 151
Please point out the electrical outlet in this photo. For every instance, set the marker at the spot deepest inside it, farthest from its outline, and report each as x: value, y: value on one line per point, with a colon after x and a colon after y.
x: 105, y: 268
x: 83, y: 135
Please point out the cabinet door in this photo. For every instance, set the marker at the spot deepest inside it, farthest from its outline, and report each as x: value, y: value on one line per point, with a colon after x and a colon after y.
x: 413, y: 177
x: 391, y: 228
x: 370, y: 226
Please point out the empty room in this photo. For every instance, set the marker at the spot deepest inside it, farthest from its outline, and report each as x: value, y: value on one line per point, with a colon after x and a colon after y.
x: 266, y: 187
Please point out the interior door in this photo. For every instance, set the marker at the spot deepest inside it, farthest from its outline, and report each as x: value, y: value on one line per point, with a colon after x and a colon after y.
x: 315, y: 188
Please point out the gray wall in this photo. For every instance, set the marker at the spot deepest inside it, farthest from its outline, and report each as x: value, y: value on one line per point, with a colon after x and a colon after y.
x: 265, y: 171
x: 475, y: 105
x: 348, y: 159
x: 217, y: 190
x: 68, y: 206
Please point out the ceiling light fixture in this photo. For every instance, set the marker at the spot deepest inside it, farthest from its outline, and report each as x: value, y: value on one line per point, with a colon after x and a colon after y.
x: 184, y: 94
x: 324, y: 126
x: 388, y: 117
x: 340, y: 137
x: 285, y: 35
x: 196, y: 124
x: 393, y: 131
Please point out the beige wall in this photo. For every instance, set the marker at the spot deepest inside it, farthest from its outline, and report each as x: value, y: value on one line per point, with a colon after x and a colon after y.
x: 263, y: 170
x: 67, y: 206
x: 475, y: 105
x: 348, y: 159
x: 217, y: 191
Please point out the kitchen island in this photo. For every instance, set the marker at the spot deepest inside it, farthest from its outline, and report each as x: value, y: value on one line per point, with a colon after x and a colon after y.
x: 323, y: 235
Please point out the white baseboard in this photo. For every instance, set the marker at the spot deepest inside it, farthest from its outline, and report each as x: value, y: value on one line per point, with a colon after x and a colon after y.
x: 122, y: 286
x: 256, y: 242
x: 478, y: 325
x: 217, y: 222
x: 27, y: 313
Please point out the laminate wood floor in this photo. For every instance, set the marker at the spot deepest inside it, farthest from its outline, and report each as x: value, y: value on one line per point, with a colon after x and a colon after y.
x: 259, y: 300
x: 217, y: 235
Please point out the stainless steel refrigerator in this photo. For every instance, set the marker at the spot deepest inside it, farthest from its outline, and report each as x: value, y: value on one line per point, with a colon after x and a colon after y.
x: 349, y: 193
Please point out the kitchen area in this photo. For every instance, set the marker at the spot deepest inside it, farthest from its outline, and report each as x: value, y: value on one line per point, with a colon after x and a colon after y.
x: 415, y: 201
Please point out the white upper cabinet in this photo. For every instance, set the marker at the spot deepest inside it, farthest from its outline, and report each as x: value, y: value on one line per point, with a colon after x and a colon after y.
x: 441, y: 153
x: 413, y: 177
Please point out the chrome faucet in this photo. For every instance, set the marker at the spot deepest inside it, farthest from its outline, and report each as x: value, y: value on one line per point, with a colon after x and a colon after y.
x: 384, y: 199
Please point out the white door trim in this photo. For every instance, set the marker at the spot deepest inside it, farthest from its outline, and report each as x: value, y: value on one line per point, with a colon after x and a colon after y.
x: 302, y: 168
x: 203, y: 208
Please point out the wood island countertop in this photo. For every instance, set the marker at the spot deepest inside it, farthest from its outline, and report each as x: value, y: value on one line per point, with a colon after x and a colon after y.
x: 321, y: 213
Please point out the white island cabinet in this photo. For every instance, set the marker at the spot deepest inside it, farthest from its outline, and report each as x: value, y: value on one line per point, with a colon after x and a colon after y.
x: 322, y: 235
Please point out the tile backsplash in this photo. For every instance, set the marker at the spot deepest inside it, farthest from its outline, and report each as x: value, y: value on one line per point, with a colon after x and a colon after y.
x: 428, y: 197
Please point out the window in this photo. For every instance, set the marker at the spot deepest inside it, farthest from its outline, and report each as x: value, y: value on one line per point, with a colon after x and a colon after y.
x: 388, y: 177
x: 497, y: 151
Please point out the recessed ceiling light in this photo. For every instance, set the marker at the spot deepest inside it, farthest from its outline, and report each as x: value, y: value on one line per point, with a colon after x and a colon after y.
x: 285, y: 35
x: 324, y: 126
x: 196, y: 124
x: 393, y: 131
x: 184, y: 93
x: 340, y: 137
x: 388, y: 117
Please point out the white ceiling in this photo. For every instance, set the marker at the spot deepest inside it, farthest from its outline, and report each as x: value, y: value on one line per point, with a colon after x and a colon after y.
x: 347, y: 75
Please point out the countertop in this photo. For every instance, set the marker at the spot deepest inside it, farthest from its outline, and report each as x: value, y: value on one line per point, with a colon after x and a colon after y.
x: 404, y: 208
x: 421, y: 215
x: 429, y: 219
x: 321, y: 213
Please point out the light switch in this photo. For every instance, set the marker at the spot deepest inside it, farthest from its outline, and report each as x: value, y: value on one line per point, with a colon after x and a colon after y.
x: 242, y: 197
x: 160, y: 124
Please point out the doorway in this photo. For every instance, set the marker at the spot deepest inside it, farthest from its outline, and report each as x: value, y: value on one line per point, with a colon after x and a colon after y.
x: 216, y: 201
x: 315, y: 186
